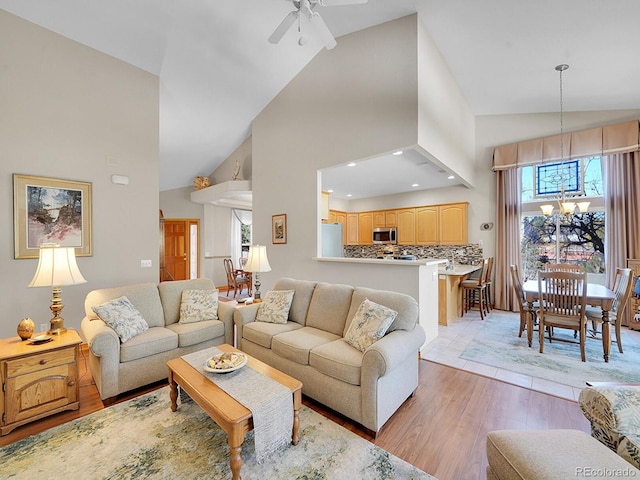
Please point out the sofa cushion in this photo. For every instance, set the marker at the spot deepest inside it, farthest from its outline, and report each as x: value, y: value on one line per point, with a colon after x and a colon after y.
x: 339, y: 360
x: 301, y: 298
x: 329, y: 307
x: 369, y: 324
x: 143, y: 296
x: 405, y: 305
x: 153, y: 341
x: 123, y: 317
x: 194, y: 333
x: 171, y: 296
x: 198, y: 305
x: 296, y: 345
x: 261, y: 333
x: 275, y: 306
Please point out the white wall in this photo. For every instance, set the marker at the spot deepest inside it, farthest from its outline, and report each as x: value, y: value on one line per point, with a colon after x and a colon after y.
x: 65, y: 110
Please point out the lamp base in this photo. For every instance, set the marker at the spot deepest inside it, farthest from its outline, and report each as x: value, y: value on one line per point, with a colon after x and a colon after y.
x: 56, y: 326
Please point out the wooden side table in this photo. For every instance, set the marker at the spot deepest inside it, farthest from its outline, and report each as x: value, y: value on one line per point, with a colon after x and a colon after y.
x: 38, y: 380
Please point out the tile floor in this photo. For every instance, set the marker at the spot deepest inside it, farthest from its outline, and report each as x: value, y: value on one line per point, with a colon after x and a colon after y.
x: 454, y: 338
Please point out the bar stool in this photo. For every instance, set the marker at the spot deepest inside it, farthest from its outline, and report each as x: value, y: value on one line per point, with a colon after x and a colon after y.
x: 475, y: 288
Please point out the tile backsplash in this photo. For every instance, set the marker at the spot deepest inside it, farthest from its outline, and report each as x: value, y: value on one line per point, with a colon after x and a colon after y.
x: 470, y: 254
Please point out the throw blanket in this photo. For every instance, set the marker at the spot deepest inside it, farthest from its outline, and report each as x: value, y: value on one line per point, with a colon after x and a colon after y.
x: 270, y: 402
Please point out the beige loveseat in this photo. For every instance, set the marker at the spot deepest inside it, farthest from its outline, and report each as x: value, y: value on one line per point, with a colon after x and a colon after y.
x: 368, y: 386
x: 119, y: 367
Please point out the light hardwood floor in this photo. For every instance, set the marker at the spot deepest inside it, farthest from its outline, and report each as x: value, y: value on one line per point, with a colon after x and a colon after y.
x: 441, y: 429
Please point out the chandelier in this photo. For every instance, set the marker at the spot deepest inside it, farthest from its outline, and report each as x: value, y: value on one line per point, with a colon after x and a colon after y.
x: 565, y: 206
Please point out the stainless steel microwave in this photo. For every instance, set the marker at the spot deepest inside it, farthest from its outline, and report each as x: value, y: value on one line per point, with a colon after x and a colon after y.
x: 385, y: 235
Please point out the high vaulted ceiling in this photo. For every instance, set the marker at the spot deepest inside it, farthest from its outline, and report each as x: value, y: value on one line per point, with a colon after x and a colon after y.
x: 217, y: 71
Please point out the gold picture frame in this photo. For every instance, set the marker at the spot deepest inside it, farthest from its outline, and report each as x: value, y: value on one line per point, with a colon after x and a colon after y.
x: 51, y: 210
x: 279, y: 228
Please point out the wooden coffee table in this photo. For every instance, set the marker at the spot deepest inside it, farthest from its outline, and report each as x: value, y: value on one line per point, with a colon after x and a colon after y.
x: 233, y: 417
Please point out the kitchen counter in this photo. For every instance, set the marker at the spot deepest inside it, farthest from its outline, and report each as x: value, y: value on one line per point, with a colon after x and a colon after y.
x: 383, y: 261
x: 449, y: 291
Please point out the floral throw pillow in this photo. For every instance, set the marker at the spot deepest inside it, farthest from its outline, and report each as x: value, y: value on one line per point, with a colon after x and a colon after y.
x: 369, y: 324
x: 121, y: 315
x: 198, y: 305
x: 275, y: 306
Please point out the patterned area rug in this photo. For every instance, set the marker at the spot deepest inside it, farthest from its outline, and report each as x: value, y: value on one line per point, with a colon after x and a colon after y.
x: 142, y: 438
x: 497, y: 344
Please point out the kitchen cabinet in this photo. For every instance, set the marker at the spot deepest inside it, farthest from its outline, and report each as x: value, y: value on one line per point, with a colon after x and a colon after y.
x: 391, y: 218
x: 406, y: 218
x: 338, y: 216
x: 352, y: 229
x: 379, y: 219
x: 453, y: 224
x: 37, y: 380
x: 325, y: 206
x: 384, y: 218
x: 427, y: 225
x: 365, y: 228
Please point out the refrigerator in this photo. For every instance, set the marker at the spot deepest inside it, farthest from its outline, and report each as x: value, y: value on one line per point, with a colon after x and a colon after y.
x: 332, y: 240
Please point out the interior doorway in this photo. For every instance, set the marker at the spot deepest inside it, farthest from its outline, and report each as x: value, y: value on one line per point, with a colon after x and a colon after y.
x: 181, y: 240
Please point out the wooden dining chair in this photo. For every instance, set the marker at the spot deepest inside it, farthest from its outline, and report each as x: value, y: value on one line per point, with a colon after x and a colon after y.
x: 242, y: 262
x: 474, y: 290
x: 488, y: 284
x: 563, y: 267
x: 235, y: 279
x: 622, y: 286
x: 562, y: 297
x: 524, y: 312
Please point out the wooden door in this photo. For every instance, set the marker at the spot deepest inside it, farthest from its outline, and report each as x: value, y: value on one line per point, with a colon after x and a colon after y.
x: 427, y: 225
x: 379, y: 220
x: 181, y: 241
x: 391, y: 218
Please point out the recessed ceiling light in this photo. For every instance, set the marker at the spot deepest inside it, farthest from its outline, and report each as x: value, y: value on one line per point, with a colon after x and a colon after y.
x: 349, y: 195
x: 330, y: 190
x: 415, y: 185
x: 352, y: 164
x: 399, y: 152
x: 451, y: 177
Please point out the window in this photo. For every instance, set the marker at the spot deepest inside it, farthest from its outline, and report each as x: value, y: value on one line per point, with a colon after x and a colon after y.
x: 577, y: 238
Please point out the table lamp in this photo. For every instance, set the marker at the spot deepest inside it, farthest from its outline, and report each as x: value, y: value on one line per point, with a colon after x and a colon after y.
x: 57, y: 267
x: 256, y: 263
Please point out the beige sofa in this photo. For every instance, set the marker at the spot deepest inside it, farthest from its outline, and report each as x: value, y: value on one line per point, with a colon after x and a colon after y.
x: 119, y: 367
x: 368, y: 386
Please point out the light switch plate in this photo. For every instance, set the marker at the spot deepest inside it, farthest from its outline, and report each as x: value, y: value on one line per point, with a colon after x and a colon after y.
x: 145, y: 264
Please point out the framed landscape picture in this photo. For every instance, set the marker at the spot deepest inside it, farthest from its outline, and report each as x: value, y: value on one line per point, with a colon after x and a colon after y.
x: 50, y: 210
x: 279, y: 228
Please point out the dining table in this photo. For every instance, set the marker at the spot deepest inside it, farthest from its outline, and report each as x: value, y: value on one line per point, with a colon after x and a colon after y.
x: 597, y: 296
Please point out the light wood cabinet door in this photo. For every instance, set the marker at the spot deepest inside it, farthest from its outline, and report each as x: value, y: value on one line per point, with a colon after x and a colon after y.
x: 352, y: 229
x: 391, y: 218
x: 365, y: 228
x: 332, y: 216
x: 341, y: 218
x: 453, y: 224
x: 406, y: 226
x: 427, y: 225
x: 379, y: 220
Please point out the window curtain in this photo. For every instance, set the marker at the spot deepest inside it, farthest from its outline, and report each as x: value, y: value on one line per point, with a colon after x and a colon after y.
x: 622, y: 210
x: 238, y: 218
x: 507, y: 237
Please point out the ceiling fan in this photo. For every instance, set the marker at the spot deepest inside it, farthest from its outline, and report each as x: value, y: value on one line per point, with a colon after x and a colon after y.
x: 307, y: 8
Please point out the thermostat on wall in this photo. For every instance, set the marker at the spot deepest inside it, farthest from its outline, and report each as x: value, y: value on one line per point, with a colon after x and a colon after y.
x: 120, y: 179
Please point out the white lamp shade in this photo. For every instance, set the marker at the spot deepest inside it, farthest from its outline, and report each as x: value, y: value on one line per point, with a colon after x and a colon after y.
x: 568, y: 207
x: 547, y: 210
x: 583, y: 206
x: 257, y: 261
x: 57, y: 267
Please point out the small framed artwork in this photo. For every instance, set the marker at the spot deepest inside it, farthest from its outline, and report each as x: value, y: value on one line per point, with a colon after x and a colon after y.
x: 279, y: 228
x: 50, y: 210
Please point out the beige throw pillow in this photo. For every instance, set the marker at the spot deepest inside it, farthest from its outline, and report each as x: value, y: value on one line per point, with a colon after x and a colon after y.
x: 275, y: 306
x: 369, y: 324
x: 198, y: 305
x: 121, y: 315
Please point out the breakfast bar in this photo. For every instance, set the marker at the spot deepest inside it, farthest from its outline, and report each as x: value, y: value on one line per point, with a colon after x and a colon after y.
x: 449, y: 292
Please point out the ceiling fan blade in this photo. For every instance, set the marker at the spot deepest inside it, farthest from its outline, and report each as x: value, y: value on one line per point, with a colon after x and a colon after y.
x: 333, y: 3
x: 285, y: 25
x: 323, y: 31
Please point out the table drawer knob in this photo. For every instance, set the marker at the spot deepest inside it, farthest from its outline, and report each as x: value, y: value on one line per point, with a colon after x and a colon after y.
x: 43, y: 361
x: 71, y: 383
